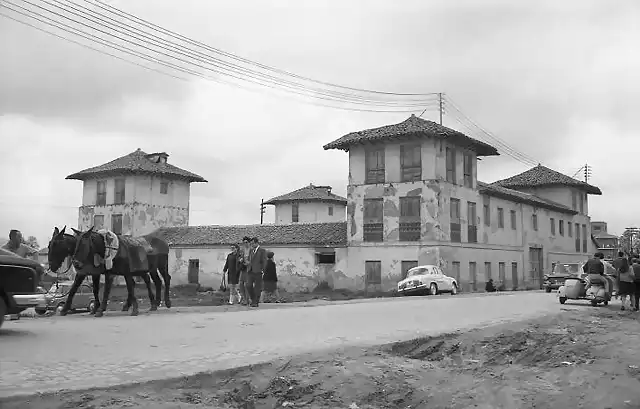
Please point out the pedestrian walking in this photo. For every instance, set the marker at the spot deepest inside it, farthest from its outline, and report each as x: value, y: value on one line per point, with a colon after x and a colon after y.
x: 231, y: 268
x: 626, y: 280
x: 243, y: 265
x: 257, y: 264
x: 636, y: 273
x: 270, y: 278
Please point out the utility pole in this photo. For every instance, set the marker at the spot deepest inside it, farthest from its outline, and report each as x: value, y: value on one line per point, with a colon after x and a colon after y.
x: 441, y: 106
x: 587, y: 172
x: 262, y: 210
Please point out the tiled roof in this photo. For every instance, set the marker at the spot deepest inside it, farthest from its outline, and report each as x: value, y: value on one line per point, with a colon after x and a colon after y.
x: 312, y: 234
x: 604, y: 235
x: 136, y: 162
x: 521, y: 197
x: 543, y: 176
x: 309, y: 193
x: 413, y: 126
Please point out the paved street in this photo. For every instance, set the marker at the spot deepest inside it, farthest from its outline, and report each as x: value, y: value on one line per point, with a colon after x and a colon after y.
x: 81, y: 351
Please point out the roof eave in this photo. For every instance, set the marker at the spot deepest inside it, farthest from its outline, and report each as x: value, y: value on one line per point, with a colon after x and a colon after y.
x: 491, y: 192
x: 91, y: 175
x: 281, y: 201
x: 590, y: 189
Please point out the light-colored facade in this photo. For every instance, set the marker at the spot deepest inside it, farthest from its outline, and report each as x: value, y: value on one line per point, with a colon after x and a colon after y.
x: 135, y: 194
x: 444, y: 216
x: 309, y: 204
x: 608, y: 244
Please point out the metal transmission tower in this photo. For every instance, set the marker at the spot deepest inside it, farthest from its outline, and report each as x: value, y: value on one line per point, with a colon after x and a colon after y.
x: 262, y: 210
x: 587, y: 172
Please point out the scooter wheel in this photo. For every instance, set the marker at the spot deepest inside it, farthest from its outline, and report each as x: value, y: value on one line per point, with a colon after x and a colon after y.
x: 563, y: 300
x: 594, y: 303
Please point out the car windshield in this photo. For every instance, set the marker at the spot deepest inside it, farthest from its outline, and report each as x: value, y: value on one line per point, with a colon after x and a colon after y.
x: 418, y: 271
x: 568, y: 268
x: 59, y: 289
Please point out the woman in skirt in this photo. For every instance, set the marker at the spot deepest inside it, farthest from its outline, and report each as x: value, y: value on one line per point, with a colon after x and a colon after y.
x: 626, y: 287
x: 270, y: 281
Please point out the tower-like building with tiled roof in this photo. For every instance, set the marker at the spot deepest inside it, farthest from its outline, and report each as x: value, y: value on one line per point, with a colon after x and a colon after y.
x: 135, y: 194
x: 309, y: 204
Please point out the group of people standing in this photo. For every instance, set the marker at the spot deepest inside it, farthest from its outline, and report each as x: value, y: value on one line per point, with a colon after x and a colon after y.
x: 251, y: 274
x: 628, y: 280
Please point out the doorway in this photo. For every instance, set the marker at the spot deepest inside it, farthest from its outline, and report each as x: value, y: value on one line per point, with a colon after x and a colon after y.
x: 535, y: 266
x: 193, y: 273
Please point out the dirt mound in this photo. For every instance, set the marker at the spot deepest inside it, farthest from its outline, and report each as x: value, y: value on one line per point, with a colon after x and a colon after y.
x: 532, y: 347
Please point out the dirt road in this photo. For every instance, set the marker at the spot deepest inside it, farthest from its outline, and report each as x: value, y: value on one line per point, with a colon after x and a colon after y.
x: 78, y: 352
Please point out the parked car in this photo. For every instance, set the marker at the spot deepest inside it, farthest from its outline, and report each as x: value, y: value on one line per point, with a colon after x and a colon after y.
x: 560, y: 273
x: 57, y: 296
x: 427, y: 279
x: 19, y: 281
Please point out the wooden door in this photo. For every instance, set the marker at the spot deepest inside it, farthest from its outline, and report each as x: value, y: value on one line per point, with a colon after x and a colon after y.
x: 514, y: 275
x: 535, y: 266
x: 193, y: 273
x: 473, y: 276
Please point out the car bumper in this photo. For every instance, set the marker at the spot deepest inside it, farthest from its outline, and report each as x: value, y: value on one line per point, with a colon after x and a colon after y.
x: 30, y: 300
x: 408, y: 290
x: 553, y: 286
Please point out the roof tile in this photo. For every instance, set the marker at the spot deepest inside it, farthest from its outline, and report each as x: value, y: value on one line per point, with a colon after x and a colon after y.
x: 312, y: 234
x: 542, y: 176
x: 309, y: 193
x: 412, y: 126
x: 136, y: 162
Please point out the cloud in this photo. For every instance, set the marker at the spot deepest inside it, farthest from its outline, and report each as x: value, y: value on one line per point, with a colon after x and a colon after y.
x: 555, y: 80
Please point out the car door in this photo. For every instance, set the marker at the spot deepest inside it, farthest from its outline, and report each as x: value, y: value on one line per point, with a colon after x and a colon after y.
x: 443, y: 283
x: 83, y: 297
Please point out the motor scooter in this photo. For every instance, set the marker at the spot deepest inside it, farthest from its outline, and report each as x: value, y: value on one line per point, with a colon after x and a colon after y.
x: 580, y: 288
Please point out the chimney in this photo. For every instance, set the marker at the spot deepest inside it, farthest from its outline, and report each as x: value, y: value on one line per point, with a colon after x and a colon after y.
x: 158, y: 157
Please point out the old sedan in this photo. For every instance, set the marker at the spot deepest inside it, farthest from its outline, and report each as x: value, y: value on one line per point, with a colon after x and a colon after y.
x: 427, y: 279
x: 57, y: 295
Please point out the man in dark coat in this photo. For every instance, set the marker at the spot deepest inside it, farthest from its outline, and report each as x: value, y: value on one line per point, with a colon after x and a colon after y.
x: 595, y: 269
x: 636, y: 272
x: 231, y: 268
x: 257, y: 264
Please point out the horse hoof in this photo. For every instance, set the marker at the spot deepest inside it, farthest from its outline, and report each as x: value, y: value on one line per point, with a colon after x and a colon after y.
x: 134, y: 313
x: 125, y: 308
x: 99, y: 314
x: 153, y: 308
x: 63, y: 313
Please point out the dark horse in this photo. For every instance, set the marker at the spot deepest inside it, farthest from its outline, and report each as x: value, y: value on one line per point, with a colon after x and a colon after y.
x: 136, y: 256
x: 62, y: 246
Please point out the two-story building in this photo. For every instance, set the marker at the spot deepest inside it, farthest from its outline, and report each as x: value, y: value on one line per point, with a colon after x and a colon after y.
x: 135, y: 194
x: 413, y: 198
x: 309, y: 204
x: 608, y: 243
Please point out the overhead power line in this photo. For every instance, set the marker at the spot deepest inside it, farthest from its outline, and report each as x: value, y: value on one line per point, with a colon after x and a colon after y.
x: 94, y: 21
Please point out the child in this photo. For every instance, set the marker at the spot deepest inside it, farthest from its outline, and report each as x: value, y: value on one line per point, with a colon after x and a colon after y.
x: 270, y: 280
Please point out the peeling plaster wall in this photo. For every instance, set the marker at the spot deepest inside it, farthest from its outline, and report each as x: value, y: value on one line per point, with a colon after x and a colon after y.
x: 296, y: 267
x: 145, y: 210
x: 310, y: 212
x: 137, y: 218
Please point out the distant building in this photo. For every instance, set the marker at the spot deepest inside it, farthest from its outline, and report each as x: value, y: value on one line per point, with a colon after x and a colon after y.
x: 609, y: 244
x: 135, y: 194
x: 309, y: 204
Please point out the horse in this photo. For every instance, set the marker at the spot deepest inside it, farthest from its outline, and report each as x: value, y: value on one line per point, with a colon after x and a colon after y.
x: 63, y: 245
x: 136, y: 256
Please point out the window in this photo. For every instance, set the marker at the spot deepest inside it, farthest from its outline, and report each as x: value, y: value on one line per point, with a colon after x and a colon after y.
x: 502, y: 273
x: 513, y: 219
x: 574, y: 200
x: 552, y: 221
x: 98, y: 221
x: 119, y: 189
x: 410, y: 163
x: 410, y: 218
x: 373, y: 272
x: 193, y: 271
x: 373, y: 225
x: 561, y: 227
x: 101, y: 193
x: 577, y: 238
x: 487, y: 271
x: 164, y: 188
x: 455, y: 271
x: 295, y: 212
x: 116, y: 223
x: 451, y: 165
x: 500, y: 218
x: 534, y: 222
x: 407, y: 265
x: 584, y: 238
x: 581, y: 203
x: 374, y: 165
x: 472, y: 228
x: 569, y: 229
x: 454, y: 215
x: 330, y: 210
x: 487, y: 214
x: 467, y: 170
x: 326, y: 257
x: 472, y: 276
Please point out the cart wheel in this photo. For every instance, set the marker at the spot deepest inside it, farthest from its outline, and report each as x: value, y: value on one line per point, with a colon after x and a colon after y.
x: 563, y: 300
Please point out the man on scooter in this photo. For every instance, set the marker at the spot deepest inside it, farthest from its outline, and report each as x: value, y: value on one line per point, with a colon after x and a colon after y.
x: 595, y: 270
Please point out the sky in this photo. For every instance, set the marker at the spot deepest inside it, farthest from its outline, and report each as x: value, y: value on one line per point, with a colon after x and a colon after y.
x: 555, y: 80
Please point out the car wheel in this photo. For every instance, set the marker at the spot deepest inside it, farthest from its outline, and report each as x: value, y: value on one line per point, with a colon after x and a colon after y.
x: 454, y: 289
x: 92, y: 305
x: 606, y: 303
x: 3, y: 311
x: 41, y: 311
x: 563, y: 300
x: 433, y: 289
x: 59, y: 308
